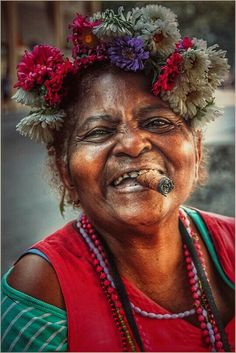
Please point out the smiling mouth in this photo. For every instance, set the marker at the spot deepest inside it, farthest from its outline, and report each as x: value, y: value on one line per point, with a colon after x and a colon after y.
x: 129, y: 179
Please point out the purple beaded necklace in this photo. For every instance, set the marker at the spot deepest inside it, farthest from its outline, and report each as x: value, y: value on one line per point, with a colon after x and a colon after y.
x: 201, y: 308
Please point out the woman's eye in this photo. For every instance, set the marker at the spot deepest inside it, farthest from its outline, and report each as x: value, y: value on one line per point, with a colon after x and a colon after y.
x: 157, y: 124
x: 98, y: 134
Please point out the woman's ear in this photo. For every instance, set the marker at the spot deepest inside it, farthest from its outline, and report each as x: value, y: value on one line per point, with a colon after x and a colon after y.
x: 68, y: 182
x: 199, y: 145
x: 198, y: 152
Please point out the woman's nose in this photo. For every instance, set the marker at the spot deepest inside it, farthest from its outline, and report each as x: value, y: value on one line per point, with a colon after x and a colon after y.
x: 132, y: 142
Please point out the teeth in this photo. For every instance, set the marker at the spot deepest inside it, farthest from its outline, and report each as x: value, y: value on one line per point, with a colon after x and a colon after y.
x: 118, y: 181
x: 133, y: 174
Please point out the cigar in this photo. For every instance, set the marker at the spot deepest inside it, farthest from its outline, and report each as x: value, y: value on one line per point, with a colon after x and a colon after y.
x: 156, y: 181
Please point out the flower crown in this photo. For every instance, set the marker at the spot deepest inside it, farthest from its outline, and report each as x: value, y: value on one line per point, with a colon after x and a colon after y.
x: 185, y: 71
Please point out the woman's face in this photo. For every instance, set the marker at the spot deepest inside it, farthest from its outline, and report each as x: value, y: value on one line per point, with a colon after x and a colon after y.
x: 122, y: 127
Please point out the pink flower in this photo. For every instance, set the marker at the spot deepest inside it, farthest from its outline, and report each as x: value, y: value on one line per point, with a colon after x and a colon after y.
x: 184, y: 43
x: 169, y: 74
x: 36, y: 66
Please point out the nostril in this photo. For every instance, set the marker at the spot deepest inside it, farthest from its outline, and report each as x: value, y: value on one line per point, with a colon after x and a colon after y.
x: 146, y: 149
x: 132, y: 144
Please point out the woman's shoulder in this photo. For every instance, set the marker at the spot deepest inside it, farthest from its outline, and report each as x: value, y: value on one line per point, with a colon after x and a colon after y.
x: 227, y: 220
x: 24, y: 318
x: 35, y: 277
x: 220, y: 227
x: 216, y: 223
x: 64, y: 240
x: 42, y: 276
x: 218, y: 234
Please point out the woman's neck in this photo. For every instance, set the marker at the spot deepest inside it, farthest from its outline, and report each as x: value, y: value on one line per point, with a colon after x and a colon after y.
x: 143, y: 252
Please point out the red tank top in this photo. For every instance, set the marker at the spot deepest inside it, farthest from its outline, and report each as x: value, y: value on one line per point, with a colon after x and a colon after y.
x: 91, y: 327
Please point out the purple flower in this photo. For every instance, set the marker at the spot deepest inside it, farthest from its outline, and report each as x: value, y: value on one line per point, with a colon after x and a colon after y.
x: 128, y: 53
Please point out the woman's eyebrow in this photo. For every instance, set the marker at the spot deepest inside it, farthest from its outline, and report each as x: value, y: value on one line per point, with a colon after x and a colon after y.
x: 98, y: 118
x: 151, y: 108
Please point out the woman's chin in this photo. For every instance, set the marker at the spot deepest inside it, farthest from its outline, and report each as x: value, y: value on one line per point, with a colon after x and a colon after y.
x: 141, y: 214
x: 131, y: 209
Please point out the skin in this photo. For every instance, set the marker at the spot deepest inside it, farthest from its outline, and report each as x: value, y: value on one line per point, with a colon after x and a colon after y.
x: 126, y: 128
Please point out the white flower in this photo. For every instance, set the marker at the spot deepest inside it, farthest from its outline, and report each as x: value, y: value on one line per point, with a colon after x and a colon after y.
x: 206, y: 115
x: 186, y: 100
x: 158, y: 27
x: 152, y: 13
x: 218, y: 66
x: 177, y: 96
x: 38, y: 125
x: 28, y: 98
x: 199, y: 43
x: 96, y: 16
x: 113, y: 25
x: 195, y: 100
x: 196, y: 65
x: 176, y: 103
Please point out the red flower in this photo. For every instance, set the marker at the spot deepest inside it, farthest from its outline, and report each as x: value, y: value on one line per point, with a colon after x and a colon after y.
x: 81, y: 22
x: 82, y: 31
x: 174, y: 60
x: 55, y: 87
x: 87, y: 48
x: 185, y: 43
x: 45, y: 69
x: 169, y: 74
x: 36, y: 66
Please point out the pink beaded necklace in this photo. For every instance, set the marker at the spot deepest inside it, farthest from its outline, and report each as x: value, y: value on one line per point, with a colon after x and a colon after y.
x: 201, y: 308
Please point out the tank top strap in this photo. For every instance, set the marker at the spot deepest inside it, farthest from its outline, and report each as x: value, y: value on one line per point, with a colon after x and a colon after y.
x: 202, y: 228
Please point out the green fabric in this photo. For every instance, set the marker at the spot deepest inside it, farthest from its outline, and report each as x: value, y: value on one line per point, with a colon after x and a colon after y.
x: 200, y: 224
x: 30, y: 325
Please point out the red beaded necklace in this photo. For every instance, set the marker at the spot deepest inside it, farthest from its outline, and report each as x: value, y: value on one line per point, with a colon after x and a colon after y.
x: 210, y: 331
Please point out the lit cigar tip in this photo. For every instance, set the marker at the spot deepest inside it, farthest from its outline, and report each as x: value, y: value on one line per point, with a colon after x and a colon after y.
x: 165, y: 185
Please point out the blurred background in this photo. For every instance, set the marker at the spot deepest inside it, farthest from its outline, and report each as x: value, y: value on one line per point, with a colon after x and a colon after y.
x: 30, y: 209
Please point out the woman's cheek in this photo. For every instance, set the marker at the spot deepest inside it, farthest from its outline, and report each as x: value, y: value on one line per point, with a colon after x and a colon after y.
x: 85, y: 163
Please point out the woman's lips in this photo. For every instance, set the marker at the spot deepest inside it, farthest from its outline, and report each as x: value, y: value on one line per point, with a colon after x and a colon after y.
x: 130, y: 186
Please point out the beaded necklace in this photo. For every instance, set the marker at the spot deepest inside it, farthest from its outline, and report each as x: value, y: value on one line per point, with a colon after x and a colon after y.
x: 130, y: 339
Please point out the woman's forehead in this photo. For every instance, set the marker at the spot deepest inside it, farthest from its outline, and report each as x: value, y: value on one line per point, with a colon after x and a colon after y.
x: 111, y: 89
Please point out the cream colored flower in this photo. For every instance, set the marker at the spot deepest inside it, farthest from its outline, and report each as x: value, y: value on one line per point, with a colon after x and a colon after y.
x: 38, y: 126
x: 113, y: 25
x: 199, y: 44
x: 218, y: 66
x: 96, y: 16
x: 186, y: 100
x: 206, y: 115
x: 196, y: 65
x: 29, y: 98
x: 153, y: 13
x: 158, y: 27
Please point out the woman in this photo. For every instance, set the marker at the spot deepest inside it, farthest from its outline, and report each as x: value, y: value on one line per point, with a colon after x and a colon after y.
x: 136, y: 271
